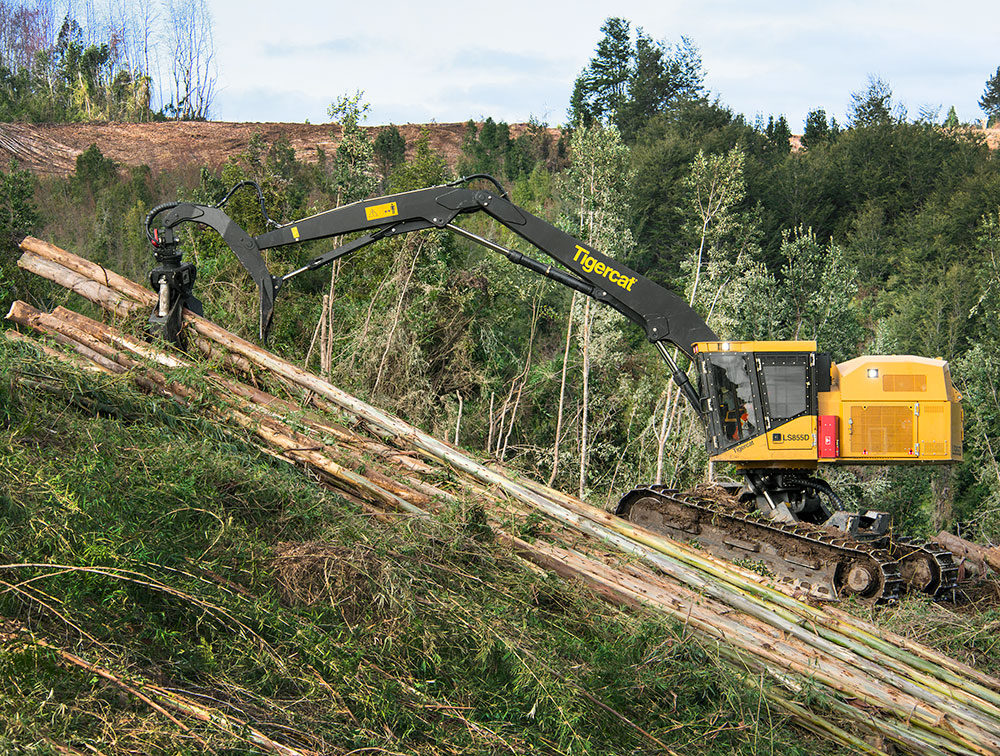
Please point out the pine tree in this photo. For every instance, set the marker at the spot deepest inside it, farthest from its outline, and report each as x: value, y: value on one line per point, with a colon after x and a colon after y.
x: 625, y: 85
x: 990, y: 101
x: 661, y: 76
x: 874, y: 107
x: 389, y: 149
x: 649, y: 87
x: 817, y: 129
x: 778, y: 135
x: 601, y: 88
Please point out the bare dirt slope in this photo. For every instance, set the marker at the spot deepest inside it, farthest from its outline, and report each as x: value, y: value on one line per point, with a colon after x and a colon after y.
x: 51, y: 149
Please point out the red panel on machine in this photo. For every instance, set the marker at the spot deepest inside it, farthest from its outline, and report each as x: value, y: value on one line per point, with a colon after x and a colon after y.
x: 829, y: 438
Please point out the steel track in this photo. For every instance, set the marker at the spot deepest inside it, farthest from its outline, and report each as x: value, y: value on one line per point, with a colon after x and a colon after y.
x: 926, y: 567
x: 823, y: 563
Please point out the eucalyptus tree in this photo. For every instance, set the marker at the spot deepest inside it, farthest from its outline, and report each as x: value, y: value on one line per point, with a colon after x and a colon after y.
x: 596, y: 191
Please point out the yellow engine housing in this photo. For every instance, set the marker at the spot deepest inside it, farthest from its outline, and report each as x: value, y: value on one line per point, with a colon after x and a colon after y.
x: 893, y: 408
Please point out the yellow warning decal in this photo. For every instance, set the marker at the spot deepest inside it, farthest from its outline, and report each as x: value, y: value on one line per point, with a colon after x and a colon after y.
x: 295, y: 233
x: 377, y: 212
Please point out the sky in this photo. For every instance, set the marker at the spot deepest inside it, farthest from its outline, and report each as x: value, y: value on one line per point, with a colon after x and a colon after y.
x: 426, y: 61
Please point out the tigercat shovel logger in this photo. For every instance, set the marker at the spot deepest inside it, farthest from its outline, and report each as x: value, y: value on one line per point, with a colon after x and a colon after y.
x: 776, y: 410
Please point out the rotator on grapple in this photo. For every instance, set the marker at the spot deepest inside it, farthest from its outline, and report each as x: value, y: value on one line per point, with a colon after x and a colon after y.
x: 173, y: 281
x: 776, y: 410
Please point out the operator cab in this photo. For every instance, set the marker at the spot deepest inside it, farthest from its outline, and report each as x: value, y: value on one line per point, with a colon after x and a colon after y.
x: 760, y: 398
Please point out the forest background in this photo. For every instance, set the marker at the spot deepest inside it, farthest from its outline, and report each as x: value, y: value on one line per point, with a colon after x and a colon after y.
x: 880, y: 235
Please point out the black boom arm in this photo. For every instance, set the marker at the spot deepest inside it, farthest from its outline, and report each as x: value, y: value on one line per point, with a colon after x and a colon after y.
x: 665, y: 317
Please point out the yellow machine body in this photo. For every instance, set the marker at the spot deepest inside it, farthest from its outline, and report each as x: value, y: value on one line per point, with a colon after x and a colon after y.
x: 773, y: 404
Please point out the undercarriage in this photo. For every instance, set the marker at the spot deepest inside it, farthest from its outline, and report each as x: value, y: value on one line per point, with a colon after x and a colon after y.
x: 781, y: 525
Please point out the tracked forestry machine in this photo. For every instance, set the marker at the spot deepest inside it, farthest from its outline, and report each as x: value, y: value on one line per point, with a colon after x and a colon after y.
x: 778, y: 411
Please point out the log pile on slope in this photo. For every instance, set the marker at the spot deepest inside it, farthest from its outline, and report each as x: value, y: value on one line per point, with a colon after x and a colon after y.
x: 919, y: 700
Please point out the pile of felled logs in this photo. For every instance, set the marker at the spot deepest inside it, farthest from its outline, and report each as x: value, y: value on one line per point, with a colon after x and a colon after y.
x: 920, y: 701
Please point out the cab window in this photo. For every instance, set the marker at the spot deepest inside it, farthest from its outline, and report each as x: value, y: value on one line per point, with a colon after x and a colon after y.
x: 737, y: 414
x: 785, y: 387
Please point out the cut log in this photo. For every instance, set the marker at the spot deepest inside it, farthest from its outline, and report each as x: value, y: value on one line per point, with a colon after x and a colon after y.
x: 982, y: 554
x: 108, y: 278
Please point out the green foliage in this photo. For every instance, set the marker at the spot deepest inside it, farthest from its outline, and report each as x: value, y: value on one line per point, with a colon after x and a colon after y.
x: 911, y: 191
x: 595, y: 192
x: 353, y: 170
x: 660, y: 77
x: 715, y: 188
x: 600, y: 90
x: 873, y: 106
x: 978, y: 372
x: 817, y: 128
x: 662, y: 158
x: 98, y: 211
x: 626, y: 85
x: 777, y: 135
x: 18, y: 215
x: 933, y: 317
x: 818, y: 293
x: 427, y: 168
x: 94, y: 172
x: 18, y: 218
x: 871, y: 245
x: 540, y: 148
x: 69, y: 80
x: 489, y: 148
x: 596, y: 189
x: 990, y: 101
x: 388, y: 149
x: 286, y: 185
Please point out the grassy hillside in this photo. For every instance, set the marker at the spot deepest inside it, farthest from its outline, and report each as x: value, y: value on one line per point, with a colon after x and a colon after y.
x: 148, y: 554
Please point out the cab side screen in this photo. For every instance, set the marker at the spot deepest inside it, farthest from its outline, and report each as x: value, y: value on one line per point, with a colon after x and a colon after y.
x: 787, y: 394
